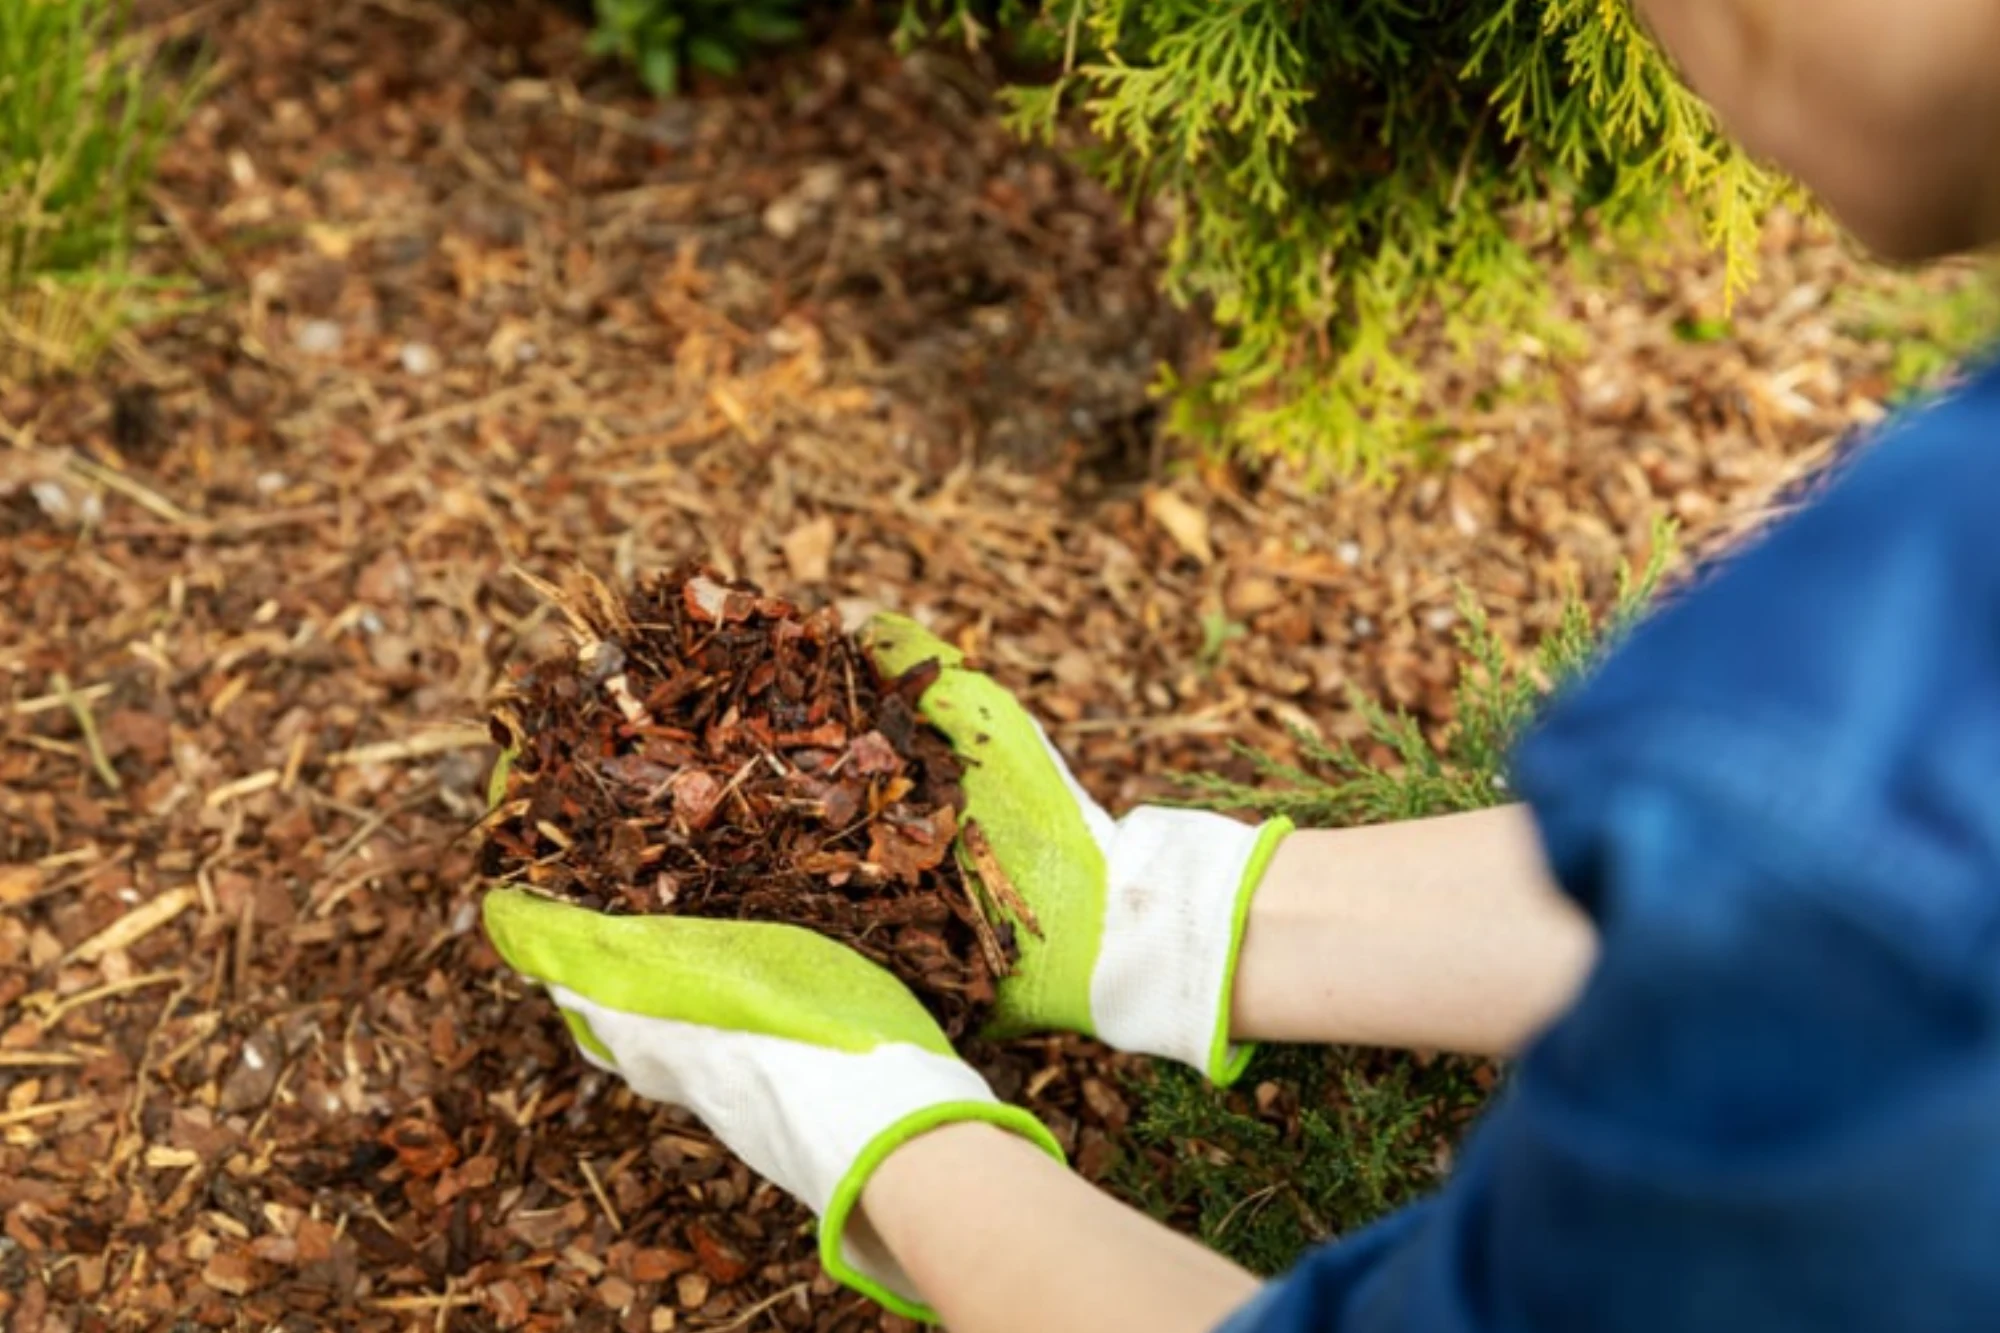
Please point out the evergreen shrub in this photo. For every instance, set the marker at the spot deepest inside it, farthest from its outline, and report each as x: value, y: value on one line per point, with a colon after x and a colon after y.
x: 1346, y: 179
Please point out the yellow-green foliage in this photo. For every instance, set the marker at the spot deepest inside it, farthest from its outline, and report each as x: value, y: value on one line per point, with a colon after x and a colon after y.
x: 81, y: 124
x: 1340, y: 173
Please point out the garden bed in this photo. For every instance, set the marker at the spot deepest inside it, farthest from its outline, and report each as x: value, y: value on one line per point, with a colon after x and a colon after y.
x: 470, y: 304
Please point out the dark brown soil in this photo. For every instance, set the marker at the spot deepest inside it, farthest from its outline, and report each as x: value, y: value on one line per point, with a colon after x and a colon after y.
x: 708, y: 750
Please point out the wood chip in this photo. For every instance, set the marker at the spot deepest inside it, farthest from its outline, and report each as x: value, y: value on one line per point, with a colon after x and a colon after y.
x: 1185, y: 524
x: 808, y: 550
x: 236, y: 790
x: 994, y: 879
x: 19, y: 883
x: 45, y: 1110
x: 136, y: 924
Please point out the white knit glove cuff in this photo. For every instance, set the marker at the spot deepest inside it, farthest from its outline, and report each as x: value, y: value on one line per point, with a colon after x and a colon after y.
x: 813, y: 1121
x: 1179, y: 890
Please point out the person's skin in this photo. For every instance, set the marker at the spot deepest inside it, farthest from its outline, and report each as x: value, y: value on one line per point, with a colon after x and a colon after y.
x: 1445, y: 933
x: 1889, y: 113
x: 1441, y: 933
x: 1000, y: 1237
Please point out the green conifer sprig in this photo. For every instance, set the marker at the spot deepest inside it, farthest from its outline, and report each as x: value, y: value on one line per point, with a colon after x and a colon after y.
x: 1339, y: 175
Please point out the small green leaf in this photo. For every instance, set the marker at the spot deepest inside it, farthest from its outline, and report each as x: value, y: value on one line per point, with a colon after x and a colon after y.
x: 660, y: 68
x: 1703, y: 329
x: 1218, y: 631
x: 496, y: 786
x: 709, y: 54
x: 767, y: 26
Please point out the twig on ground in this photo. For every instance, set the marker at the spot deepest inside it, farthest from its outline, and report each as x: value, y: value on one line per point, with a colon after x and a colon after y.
x: 603, y: 1199
x: 425, y: 743
x: 146, y: 498
x: 742, y: 1320
x: 135, y: 925
x: 70, y: 1004
x: 248, y: 785
x: 45, y: 1110
x: 87, y: 724
x: 48, y: 703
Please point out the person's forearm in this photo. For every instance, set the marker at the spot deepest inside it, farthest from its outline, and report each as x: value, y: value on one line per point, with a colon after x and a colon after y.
x: 1440, y: 933
x: 998, y: 1237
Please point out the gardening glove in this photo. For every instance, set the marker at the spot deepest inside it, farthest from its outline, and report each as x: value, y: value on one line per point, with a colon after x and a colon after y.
x: 1137, y: 921
x: 811, y: 1063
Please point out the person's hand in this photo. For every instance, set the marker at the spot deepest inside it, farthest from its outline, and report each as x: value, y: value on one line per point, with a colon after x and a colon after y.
x: 1137, y: 922
x: 811, y: 1063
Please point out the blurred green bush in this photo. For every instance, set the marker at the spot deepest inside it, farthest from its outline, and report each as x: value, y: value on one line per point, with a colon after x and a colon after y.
x: 664, y: 39
x: 82, y: 121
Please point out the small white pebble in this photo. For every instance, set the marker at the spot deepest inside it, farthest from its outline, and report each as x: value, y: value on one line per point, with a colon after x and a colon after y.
x: 270, y: 483
x: 1349, y: 553
x: 1363, y: 626
x: 419, y: 358
x: 464, y: 917
x: 252, y: 1057
x: 1440, y: 618
x: 319, y: 337
x: 370, y: 622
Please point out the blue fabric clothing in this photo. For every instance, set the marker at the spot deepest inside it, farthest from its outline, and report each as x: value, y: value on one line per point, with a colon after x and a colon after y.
x: 1776, y: 1105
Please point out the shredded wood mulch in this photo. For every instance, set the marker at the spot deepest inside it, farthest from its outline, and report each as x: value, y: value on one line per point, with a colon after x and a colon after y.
x: 710, y: 750
x: 471, y: 302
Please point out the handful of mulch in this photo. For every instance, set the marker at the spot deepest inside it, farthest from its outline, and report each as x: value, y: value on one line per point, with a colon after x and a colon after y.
x: 709, y: 750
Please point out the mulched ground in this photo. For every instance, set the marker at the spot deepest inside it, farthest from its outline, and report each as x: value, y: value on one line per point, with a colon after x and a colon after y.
x: 472, y: 304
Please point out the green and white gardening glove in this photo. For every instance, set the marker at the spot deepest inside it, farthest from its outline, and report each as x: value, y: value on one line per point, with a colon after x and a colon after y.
x: 1140, y: 918
x: 811, y: 1063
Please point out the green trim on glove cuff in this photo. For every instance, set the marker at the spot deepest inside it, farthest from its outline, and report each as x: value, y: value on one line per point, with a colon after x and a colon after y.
x: 847, y: 1194
x: 1226, y: 1060
x: 580, y: 1032
x: 736, y: 976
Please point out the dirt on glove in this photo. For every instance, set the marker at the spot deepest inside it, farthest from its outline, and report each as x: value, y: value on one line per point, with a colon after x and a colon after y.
x: 710, y: 750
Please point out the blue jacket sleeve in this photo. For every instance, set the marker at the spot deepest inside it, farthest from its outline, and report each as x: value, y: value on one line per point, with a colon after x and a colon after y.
x: 1776, y: 1105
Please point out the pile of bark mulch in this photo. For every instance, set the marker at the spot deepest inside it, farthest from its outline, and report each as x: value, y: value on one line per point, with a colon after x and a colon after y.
x: 708, y: 750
